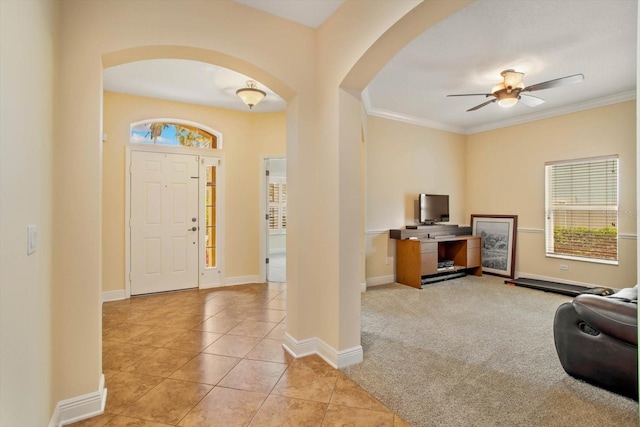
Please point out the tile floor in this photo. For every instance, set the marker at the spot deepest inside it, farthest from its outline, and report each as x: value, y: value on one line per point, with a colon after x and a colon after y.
x: 215, y: 358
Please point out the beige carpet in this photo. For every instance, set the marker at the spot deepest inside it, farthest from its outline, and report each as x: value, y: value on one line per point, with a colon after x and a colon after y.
x: 475, y: 352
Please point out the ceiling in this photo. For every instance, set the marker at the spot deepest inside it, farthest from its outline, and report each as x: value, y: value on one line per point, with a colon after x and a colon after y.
x: 464, y: 53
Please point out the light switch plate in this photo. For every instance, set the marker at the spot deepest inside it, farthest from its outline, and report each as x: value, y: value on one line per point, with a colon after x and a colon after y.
x: 32, y: 239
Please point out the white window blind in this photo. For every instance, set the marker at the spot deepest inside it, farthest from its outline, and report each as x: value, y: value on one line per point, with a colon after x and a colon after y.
x: 277, y: 205
x: 581, y: 205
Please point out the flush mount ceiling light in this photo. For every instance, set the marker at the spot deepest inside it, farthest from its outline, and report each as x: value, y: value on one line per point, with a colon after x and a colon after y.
x: 251, y: 95
x: 511, y: 90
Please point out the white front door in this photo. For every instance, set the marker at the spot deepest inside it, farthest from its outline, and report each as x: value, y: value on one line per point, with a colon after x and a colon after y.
x: 164, y: 222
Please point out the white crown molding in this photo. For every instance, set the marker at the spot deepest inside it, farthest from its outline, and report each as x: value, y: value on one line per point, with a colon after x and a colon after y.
x: 574, y: 108
x: 587, y: 105
x: 399, y: 117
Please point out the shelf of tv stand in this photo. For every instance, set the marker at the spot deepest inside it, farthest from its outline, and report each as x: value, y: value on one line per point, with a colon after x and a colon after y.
x: 418, y: 258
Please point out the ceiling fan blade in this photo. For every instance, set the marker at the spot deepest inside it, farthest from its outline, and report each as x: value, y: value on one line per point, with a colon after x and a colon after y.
x: 530, y: 100
x: 576, y: 78
x: 477, y: 107
x: 472, y: 94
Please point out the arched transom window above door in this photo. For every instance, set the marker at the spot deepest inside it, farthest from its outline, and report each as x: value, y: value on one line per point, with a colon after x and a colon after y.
x: 173, y: 132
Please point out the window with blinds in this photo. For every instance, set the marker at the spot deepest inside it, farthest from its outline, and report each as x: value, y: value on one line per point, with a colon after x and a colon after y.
x: 581, y: 205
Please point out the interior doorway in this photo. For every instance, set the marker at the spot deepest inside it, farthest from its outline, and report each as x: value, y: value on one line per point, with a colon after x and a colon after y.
x: 276, y: 218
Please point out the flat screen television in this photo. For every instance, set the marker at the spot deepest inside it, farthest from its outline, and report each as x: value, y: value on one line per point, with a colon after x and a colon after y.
x: 433, y: 208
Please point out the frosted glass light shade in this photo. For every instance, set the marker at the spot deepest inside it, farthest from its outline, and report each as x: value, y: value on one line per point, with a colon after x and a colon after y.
x: 507, y: 102
x: 251, y: 95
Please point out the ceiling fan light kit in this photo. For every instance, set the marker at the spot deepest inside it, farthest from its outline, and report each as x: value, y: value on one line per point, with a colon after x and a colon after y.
x: 251, y: 95
x: 508, y: 92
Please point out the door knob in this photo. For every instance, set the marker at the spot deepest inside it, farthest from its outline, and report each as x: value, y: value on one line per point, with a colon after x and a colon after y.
x: 194, y: 228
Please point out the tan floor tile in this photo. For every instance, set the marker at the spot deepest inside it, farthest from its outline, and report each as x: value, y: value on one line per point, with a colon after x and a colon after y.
x: 218, y: 325
x: 123, y: 332
x: 161, y: 363
x: 266, y: 315
x: 156, y: 336
x: 232, y: 345
x: 254, y: 375
x: 348, y: 393
x: 399, y: 422
x: 184, y: 321
x: 97, y: 421
x: 339, y: 416
x: 224, y: 407
x: 270, y: 351
x: 166, y: 380
x: 124, y: 355
x: 277, y: 304
x: 280, y: 412
x: 124, y: 388
x: 148, y: 318
x: 301, y: 382
x: 195, y: 341
x: 107, y: 345
x: 168, y: 402
x: 207, y: 308
x: 233, y: 312
x: 316, y: 364
x: 251, y: 328
x: 277, y: 333
x: 121, y: 421
x: 206, y: 369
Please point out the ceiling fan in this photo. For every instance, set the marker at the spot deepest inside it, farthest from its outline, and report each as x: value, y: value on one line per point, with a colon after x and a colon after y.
x: 511, y: 90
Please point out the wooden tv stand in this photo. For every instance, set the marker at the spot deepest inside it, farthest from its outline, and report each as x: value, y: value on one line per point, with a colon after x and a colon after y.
x: 420, y: 257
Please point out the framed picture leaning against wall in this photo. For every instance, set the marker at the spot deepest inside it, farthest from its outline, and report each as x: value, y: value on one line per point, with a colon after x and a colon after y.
x: 498, y: 233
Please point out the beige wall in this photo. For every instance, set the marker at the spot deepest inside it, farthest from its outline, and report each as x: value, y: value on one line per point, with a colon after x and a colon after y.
x: 402, y: 161
x: 505, y: 175
x: 246, y: 137
x: 27, y: 118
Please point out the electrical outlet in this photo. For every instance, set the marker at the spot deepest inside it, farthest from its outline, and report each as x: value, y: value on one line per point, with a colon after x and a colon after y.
x: 564, y: 267
x: 389, y: 260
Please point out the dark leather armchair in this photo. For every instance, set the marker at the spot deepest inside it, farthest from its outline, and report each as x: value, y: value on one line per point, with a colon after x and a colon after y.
x: 597, y: 340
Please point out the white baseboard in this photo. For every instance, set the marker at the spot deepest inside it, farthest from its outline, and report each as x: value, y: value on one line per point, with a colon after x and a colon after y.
x: 241, y: 280
x: 78, y: 408
x: 380, y: 280
x: 113, y: 295
x: 229, y: 281
x: 337, y: 359
x: 363, y: 287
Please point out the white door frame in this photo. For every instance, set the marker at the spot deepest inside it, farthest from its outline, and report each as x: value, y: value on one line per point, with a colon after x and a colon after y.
x: 264, y: 202
x: 201, y: 222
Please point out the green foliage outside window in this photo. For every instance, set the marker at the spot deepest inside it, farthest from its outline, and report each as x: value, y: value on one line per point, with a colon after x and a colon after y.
x: 586, y: 242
